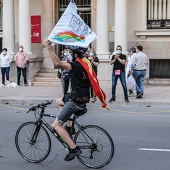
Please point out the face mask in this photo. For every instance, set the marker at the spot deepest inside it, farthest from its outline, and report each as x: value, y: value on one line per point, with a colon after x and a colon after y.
x: 4, y: 52
x: 65, y: 53
x: 20, y: 49
x: 91, y: 54
x: 118, y: 52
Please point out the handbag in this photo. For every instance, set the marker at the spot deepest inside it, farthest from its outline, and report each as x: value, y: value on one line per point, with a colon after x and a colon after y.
x: 59, y: 74
x: 131, y: 83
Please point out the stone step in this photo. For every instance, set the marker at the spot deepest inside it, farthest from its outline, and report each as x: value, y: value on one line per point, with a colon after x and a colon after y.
x: 54, y: 75
x: 156, y: 81
x: 46, y: 79
x: 49, y: 84
x: 48, y: 70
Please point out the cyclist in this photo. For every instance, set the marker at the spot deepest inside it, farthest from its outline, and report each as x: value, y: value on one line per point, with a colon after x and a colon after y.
x: 80, y: 95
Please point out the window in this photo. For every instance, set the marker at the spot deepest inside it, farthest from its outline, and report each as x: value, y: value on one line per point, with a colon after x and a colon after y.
x: 159, y: 68
x: 0, y: 15
x: 158, y: 14
x: 84, y: 9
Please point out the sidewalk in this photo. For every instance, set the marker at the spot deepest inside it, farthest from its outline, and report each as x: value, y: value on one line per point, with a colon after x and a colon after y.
x: 154, y: 95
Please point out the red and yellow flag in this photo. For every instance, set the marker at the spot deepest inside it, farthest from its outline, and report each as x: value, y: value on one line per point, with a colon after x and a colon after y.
x: 94, y: 81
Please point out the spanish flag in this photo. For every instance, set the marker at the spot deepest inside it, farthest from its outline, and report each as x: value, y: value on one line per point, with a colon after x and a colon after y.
x: 94, y: 81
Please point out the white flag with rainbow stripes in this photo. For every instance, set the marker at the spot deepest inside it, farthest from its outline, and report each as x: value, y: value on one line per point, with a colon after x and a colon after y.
x: 71, y: 29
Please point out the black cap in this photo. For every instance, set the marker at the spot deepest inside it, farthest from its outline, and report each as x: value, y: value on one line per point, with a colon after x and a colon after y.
x: 78, y: 52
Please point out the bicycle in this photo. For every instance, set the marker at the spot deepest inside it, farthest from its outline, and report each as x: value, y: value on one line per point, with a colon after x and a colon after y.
x: 34, y: 144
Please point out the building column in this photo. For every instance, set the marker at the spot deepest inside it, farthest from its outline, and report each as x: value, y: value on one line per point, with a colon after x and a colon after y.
x: 121, y: 25
x: 8, y: 26
x: 25, y: 25
x: 102, y: 41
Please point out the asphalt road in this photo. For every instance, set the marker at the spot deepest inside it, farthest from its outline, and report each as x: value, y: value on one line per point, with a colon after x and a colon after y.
x: 140, y: 134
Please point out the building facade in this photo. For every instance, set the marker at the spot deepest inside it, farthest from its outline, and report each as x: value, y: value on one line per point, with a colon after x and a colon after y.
x: 116, y: 22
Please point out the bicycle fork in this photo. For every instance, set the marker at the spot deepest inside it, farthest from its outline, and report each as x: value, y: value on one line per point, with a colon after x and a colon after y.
x: 35, y: 133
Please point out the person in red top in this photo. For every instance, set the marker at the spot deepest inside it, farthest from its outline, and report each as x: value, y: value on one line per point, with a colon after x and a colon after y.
x: 21, y: 60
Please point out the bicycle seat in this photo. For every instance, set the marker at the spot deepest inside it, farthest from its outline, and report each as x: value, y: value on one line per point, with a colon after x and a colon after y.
x: 82, y: 110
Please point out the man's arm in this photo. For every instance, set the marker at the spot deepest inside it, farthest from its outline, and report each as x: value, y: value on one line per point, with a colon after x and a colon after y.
x: 122, y: 61
x: 117, y: 57
x: 113, y: 59
x: 55, y: 58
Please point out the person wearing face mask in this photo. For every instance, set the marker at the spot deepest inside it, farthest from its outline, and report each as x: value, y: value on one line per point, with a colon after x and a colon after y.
x: 5, y: 61
x: 94, y: 62
x: 21, y: 60
x: 118, y: 61
x: 65, y: 75
x: 129, y: 70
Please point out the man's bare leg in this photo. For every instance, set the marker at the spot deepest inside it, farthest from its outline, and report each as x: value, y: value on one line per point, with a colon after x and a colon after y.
x: 58, y: 126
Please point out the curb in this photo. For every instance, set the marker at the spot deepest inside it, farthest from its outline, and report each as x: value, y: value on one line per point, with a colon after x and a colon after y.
x: 113, y: 104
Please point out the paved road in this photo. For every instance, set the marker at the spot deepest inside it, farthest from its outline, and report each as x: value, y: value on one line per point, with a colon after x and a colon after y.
x: 140, y: 134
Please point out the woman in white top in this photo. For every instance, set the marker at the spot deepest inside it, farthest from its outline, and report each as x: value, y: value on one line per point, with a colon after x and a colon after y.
x: 5, y: 61
x: 129, y: 66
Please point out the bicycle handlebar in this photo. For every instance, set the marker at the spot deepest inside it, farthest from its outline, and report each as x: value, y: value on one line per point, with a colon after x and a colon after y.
x: 42, y: 105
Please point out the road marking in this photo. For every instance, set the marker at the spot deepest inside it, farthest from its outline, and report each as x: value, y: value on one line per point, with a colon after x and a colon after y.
x: 156, y: 150
x: 131, y: 112
x: 18, y: 108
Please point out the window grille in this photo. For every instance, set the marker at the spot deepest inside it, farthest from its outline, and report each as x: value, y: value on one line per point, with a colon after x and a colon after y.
x: 79, y: 3
x: 84, y: 9
x: 1, y: 16
x: 158, y: 14
x: 159, y: 68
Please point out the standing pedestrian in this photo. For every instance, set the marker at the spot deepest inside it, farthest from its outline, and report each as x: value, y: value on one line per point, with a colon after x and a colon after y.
x: 21, y: 61
x: 118, y: 60
x: 140, y: 63
x: 94, y: 62
x: 65, y: 75
x: 129, y: 67
x: 5, y: 61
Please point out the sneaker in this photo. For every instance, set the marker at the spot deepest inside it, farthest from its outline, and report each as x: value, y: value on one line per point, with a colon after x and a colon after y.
x: 93, y: 99
x: 127, y: 100
x: 2, y: 85
x: 139, y: 95
x: 68, y: 129
x: 130, y: 94
x: 25, y: 84
x: 112, y: 99
x: 72, y: 153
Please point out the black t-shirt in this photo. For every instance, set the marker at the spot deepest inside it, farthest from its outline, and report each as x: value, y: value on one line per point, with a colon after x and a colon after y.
x: 80, y: 83
x: 117, y: 65
x: 95, y: 67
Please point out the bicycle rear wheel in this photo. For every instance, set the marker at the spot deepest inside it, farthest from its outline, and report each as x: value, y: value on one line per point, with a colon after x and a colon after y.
x: 33, y: 149
x: 96, y: 145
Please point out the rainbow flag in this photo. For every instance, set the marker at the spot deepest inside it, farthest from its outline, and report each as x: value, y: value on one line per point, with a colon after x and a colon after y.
x: 67, y: 35
x: 71, y: 29
x: 94, y: 81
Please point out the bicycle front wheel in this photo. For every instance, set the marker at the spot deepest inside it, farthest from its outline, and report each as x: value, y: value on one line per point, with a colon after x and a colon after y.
x: 96, y: 145
x: 33, y: 142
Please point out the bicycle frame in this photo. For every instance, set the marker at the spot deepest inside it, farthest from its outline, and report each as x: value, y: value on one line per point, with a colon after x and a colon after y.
x: 41, y: 121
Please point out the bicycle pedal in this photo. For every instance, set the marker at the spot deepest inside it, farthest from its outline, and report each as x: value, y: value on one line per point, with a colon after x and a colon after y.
x: 66, y: 148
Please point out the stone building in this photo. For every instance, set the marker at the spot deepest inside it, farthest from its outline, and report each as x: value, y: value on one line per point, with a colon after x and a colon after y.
x: 125, y: 22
